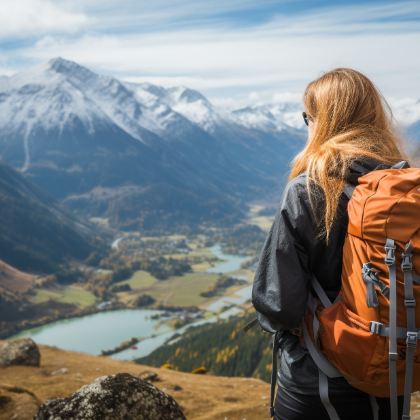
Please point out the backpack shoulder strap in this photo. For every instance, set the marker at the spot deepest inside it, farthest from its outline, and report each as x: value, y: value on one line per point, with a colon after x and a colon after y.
x: 348, y: 190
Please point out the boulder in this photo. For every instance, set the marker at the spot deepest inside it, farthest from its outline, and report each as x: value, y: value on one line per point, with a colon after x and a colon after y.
x: 22, y: 351
x: 116, y: 397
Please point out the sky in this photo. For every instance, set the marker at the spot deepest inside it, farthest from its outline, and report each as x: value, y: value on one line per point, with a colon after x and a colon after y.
x: 236, y: 52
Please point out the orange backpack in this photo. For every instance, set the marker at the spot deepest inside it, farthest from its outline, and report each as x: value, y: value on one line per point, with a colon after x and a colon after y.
x: 369, y: 333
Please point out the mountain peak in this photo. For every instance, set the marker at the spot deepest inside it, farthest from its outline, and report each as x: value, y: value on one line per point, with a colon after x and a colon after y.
x: 68, y: 67
x: 183, y: 93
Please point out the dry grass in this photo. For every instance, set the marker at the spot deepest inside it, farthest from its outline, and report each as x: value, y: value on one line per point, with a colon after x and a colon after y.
x: 66, y: 294
x: 202, y: 397
x: 15, y: 280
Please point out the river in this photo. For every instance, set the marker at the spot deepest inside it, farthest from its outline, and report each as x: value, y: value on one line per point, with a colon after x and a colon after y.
x: 105, y: 330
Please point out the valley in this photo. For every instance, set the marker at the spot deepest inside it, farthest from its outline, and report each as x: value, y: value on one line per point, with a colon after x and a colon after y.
x: 149, y: 288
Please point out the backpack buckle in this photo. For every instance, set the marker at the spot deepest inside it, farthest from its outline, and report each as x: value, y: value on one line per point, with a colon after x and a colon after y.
x: 410, y: 303
x: 376, y: 327
x: 407, y: 264
x: 412, y: 337
x: 390, y: 255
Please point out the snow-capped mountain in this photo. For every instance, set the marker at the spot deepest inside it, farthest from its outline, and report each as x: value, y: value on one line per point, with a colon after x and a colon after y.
x: 270, y: 117
x: 184, y: 101
x: 136, y: 152
x: 407, y: 115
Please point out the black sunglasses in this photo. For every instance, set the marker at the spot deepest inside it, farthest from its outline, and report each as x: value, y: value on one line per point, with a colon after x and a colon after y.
x: 306, y: 118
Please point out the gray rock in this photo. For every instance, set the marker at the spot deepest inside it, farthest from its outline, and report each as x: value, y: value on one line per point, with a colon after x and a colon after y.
x: 22, y: 351
x: 116, y: 397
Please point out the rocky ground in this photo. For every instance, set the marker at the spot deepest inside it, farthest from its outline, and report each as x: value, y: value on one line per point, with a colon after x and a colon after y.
x: 24, y: 388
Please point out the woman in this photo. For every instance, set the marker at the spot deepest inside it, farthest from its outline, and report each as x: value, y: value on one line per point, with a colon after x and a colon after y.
x: 350, y: 133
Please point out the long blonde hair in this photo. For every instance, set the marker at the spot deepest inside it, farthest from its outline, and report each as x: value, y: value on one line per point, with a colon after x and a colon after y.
x: 351, y: 120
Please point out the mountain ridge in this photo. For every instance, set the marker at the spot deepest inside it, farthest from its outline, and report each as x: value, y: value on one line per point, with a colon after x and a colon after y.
x: 72, y: 131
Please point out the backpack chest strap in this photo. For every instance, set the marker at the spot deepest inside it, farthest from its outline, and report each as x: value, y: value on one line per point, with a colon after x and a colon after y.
x: 383, y: 330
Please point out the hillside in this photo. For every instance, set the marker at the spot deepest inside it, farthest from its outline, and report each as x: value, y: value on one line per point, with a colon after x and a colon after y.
x: 15, y: 280
x: 37, y: 234
x: 232, y: 353
x: 202, y: 397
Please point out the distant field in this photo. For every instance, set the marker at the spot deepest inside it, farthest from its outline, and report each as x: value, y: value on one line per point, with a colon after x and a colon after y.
x: 194, y: 253
x: 171, y: 237
x: 178, y: 290
x: 264, y: 222
x: 183, y: 290
x: 140, y: 279
x: 69, y: 294
x: 243, y: 272
x: 200, y: 252
x: 200, y: 267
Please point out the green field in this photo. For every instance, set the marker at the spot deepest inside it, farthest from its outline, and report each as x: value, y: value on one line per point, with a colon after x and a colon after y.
x: 69, y: 294
x: 140, y: 279
x: 177, y: 290
x: 183, y: 290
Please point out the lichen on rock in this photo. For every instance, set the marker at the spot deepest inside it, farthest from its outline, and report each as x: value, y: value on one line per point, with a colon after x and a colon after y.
x: 116, y: 397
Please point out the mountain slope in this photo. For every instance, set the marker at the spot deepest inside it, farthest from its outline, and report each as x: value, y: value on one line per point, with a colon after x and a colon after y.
x: 231, y: 352
x: 37, y: 234
x: 142, y: 155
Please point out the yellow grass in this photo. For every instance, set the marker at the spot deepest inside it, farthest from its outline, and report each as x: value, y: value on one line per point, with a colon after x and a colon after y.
x: 69, y: 294
x: 140, y: 279
x: 202, y: 397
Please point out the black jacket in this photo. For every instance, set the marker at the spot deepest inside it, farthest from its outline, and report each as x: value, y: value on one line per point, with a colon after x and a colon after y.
x: 289, y: 256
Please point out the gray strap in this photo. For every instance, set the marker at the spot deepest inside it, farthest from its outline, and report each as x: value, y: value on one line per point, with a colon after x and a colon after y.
x: 276, y: 346
x: 372, y: 297
x: 401, y: 165
x: 249, y: 325
x: 348, y: 190
x: 383, y: 330
x: 370, y: 277
x: 375, y: 407
x: 315, y: 327
x: 319, y: 290
x: 323, y: 393
x: 325, y: 368
x: 393, y: 355
x: 318, y: 357
x: 412, y: 333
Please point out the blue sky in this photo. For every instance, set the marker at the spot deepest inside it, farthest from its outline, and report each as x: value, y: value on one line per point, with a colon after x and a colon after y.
x: 234, y: 51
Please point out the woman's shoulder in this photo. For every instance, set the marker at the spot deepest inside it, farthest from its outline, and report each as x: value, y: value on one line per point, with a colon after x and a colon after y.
x: 298, y: 204
x: 295, y: 201
x: 297, y: 188
x: 297, y: 183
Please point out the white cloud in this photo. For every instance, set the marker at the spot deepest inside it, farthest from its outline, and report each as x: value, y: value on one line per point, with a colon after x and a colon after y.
x: 223, y: 60
x: 22, y: 18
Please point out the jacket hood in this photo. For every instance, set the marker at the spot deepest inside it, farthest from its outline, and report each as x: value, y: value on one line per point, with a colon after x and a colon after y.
x: 361, y: 166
